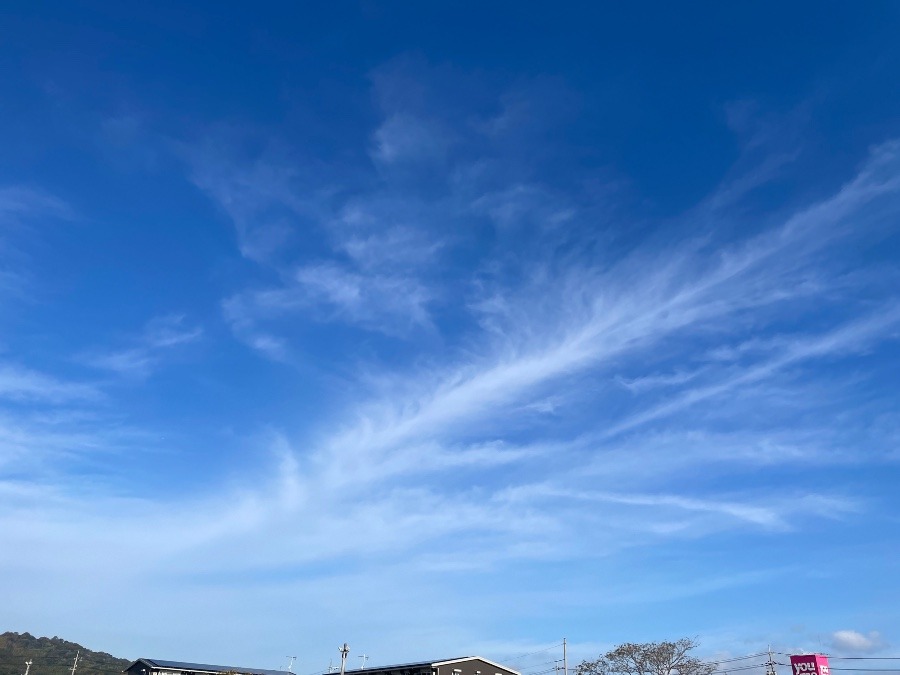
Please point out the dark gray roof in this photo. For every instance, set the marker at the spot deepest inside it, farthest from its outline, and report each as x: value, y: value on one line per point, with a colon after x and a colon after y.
x: 206, y: 667
x: 399, y: 666
x: 424, y: 664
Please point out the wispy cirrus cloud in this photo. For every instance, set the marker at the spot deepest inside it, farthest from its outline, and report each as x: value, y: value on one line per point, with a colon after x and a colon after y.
x: 264, y: 194
x: 517, y: 431
x: 372, y: 276
x: 24, y: 384
x: 577, y: 324
x: 42, y: 448
x: 589, y: 395
x: 160, y: 335
x: 51, y: 424
x: 407, y: 139
x: 331, y: 292
x: 576, y: 318
x: 20, y: 207
x: 391, y: 245
x: 22, y: 202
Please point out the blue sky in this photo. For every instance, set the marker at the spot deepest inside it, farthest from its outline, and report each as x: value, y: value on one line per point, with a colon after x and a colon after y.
x: 446, y: 328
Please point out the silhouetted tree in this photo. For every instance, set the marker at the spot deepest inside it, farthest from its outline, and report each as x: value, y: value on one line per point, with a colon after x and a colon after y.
x: 649, y: 658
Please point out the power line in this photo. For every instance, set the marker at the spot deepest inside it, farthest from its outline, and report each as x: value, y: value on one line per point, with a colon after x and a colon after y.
x: 734, y: 670
x: 536, y: 665
x: 738, y: 658
x: 522, y: 656
x: 863, y: 670
x: 850, y: 658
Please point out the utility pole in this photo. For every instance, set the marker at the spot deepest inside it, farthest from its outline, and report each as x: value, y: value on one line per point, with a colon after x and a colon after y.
x: 75, y: 664
x: 27, y: 666
x: 345, y: 649
x: 364, y: 657
x: 291, y: 663
x: 565, y: 659
x: 770, y: 664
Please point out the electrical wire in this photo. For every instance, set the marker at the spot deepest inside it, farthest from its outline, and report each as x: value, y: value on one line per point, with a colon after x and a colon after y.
x: 538, y: 665
x: 734, y: 670
x: 737, y: 658
x: 522, y: 656
x: 860, y: 670
x: 847, y: 658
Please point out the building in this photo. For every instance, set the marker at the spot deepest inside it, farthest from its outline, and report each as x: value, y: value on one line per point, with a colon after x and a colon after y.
x: 159, y: 667
x: 466, y: 665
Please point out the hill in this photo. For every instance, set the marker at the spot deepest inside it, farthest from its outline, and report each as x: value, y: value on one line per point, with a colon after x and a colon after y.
x: 53, y: 656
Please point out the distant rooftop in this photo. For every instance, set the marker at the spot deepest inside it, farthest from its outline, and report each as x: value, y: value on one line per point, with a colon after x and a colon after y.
x: 159, y: 664
x: 403, y: 666
x: 428, y: 664
x: 206, y: 667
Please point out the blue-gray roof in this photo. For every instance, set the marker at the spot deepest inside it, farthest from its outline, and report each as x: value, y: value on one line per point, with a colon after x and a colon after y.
x: 398, y: 666
x: 415, y: 665
x: 206, y: 667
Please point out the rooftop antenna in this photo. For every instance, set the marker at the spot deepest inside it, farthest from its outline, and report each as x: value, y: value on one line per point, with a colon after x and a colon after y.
x: 27, y: 666
x: 330, y: 665
x: 291, y: 663
x: 345, y: 649
x: 364, y: 657
x: 75, y: 664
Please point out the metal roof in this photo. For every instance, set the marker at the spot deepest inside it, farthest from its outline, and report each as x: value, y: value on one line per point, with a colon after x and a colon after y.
x: 395, y: 666
x: 429, y: 664
x: 206, y: 667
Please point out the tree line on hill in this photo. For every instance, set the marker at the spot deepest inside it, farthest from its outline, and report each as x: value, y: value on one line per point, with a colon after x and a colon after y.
x: 53, y: 656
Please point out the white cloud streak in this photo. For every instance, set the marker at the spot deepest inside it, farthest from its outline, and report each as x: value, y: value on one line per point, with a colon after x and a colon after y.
x: 564, y: 327
x: 18, y: 202
x: 160, y: 335
x: 20, y: 207
x: 23, y: 384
